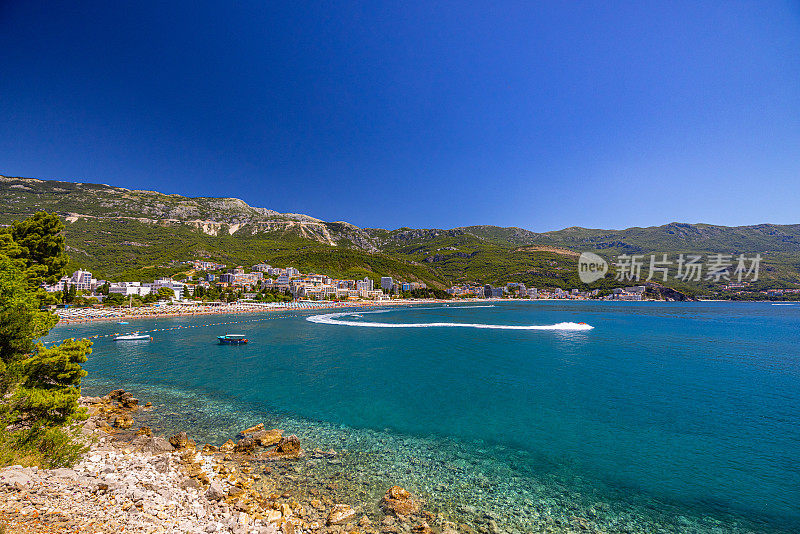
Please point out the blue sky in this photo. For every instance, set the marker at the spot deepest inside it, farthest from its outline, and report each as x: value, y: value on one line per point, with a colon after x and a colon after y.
x: 533, y: 114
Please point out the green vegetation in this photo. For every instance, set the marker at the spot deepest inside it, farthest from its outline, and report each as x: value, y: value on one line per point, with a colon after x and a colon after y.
x: 120, y: 234
x: 39, y: 386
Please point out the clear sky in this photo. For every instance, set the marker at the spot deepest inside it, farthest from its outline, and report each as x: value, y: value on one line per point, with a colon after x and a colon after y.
x: 432, y: 114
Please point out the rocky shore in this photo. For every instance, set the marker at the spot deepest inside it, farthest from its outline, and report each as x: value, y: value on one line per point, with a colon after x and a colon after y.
x: 133, y: 481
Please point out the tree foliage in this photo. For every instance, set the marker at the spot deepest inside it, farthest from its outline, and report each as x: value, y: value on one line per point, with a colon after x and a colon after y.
x: 21, y: 321
x: 51, y: 385
x: 39, y: 386
x: 40, y: 247
x: 165, y: 293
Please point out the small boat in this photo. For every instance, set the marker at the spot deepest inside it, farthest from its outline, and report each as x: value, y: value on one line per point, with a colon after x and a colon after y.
x: 123, y: 322
x: 232, y: 339
x: 136, y: 336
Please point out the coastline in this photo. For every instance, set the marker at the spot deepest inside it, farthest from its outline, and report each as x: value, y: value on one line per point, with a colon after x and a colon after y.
x: 134, y: 481
x: 261, y: 481
x: 70, y: 316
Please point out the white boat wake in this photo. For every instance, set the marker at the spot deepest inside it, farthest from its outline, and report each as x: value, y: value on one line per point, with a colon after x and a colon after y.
x: 336, y: 319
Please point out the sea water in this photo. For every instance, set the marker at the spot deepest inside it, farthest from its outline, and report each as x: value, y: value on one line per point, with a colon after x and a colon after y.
x: 637, y: 417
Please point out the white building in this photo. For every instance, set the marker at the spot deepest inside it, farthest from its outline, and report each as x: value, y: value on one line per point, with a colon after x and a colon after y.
x: 80, y: 279
x: 365, y: 285
x: 129, y: 288
x: 169, y: 283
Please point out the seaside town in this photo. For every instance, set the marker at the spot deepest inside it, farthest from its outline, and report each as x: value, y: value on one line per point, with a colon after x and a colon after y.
x: 212, y: 286
x: 263, y: 282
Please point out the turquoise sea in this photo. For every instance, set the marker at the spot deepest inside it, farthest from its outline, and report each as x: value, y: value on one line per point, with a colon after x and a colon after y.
x: 663, y: 417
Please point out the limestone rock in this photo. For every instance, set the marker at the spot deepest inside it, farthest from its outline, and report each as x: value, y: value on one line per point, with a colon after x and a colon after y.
x: 215, y: 492
x: 268, y: 438
x: 228, y: 446
x: 400, y: 502
x: 245, y: 445
x: 16, y: 478
x: 288, y: 445
x: 123, y: 421
x: 124, y: 398
x: 157, y: 445
x: 341, y: 513
x: 257, y: 428
x: 272, y: 516
x: 179, y: 440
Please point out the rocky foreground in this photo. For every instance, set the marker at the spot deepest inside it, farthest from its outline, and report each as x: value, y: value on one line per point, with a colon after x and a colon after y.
x: 132, y: 481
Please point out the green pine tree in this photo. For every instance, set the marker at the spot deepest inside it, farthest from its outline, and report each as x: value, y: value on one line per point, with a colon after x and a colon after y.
x: 39, y: 387
x: 51, y: 385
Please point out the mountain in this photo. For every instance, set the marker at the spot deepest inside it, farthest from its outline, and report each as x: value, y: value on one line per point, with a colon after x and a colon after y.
x: 120, y: 233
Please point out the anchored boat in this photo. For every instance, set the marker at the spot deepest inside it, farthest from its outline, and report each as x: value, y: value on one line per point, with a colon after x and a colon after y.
x: 136, y: 336
x: 232, y: 339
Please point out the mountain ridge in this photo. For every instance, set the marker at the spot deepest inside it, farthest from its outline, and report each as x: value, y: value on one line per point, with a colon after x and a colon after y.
x: 103, y: 221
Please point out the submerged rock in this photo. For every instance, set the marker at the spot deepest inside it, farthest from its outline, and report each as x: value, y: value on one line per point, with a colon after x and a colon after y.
x: 257, y: 428
x: 123, y: 421
x: 341, y: 513
x: 400, y: 502
x: 245, y: 445
x: 288, y: 445
x: 124, y: 398
x: 268, y: 438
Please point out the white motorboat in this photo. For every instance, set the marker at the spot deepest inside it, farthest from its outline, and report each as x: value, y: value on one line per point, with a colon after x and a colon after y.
x: 136, y: 336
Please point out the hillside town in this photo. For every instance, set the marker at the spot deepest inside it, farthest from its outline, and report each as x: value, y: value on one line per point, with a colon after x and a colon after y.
x: 209, y: 280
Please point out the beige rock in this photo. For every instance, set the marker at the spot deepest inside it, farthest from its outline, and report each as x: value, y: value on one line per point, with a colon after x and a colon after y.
x: 245, y: 445
x: 400, y: 502
x: 256, y: 428
x: 244, y: 518
x: 341, y: 513
x: 268, y: 438
x: 179, y: 440
x: 272, y: 516
x: 123, y: 421
x: 288, y: 445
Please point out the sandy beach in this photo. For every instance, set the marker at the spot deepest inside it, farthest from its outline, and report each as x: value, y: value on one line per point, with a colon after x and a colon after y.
x: 89, y: 315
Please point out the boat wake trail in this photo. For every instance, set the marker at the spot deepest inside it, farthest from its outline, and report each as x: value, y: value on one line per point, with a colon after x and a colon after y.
x: 337, y: 319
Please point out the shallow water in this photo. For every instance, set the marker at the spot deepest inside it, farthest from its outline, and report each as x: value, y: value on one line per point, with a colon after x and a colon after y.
x: 681, y: 417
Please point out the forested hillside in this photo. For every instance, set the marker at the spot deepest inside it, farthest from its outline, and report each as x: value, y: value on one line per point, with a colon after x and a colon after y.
x: 123, y: 234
